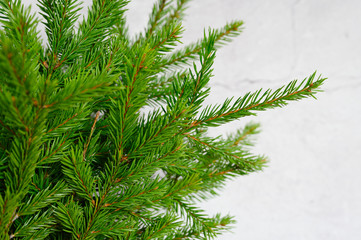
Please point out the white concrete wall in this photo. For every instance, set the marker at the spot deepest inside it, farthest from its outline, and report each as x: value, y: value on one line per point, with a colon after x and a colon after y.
x: 312, y: 187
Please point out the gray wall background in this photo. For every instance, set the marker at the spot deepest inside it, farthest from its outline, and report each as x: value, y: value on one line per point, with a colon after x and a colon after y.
x: 312, y: 187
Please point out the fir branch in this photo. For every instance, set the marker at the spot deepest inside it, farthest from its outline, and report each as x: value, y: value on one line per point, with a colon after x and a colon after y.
x: 222, y: 152
x: 202, y: 77
x: 43, y: 199
x: 240, y: 138
x: 178, y: 11
x: 101, y: 18
x: 124, y: 110
x: 79, y: 174
x: 23, y: 157
x: 167, y: 155
x: 66, y: 122
x: 104, y: 192
x: 55, y: 151
x: 3, y: 167
x: 156, y: 18
x: 218, y: 225
x: 60, y: 17
x: 162, y: 86
x: 165, y: 39
x: 195, y: 218
x: 7, y: 127
x: 38, y: 226
x: 71, y: 216
x: 220, y: 160
x: 137, y: 195
x: 161, y: 227
x: 109, y: 226
x: 185, y: 187
x: 191, y: 51
x: 63, y: 123
x: 257, y: 101
x: 156, y: 130
x: 20, y: 45
x: 80, y: 89
x: 133, y: 195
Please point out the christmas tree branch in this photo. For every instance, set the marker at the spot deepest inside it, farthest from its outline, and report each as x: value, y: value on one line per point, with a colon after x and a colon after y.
x: 257, y: 101
x: 223, y: 152
x: 55, y: 151
x: 167, y: 156
x: 218, y: 225
x: 156, y: 130
x: 38, y: 226
x: 19, y: 53
x: 71, y: 217
x: 190, y: 52
x: 162, y: 85
x: 156, y: 18
x: 164, y: 39
x: 137, y: 195
x: 177, y: 13
x: 195, y: 218
x: 43, y: 199
x: 79, y: 174
x: 60, y: 17
x: 101, y: 17
x: 80, y: 89
x: 241, y: 136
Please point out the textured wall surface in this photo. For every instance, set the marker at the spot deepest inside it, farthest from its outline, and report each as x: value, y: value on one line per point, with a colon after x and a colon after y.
x: 312, y: 187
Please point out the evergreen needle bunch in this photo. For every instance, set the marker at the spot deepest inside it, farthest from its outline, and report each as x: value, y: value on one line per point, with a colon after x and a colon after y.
x: 79, y: 156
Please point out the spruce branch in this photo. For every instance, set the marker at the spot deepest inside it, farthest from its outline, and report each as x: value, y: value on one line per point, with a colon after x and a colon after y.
x: 162, y: 86
x: 124, y: 109
x: 258, y: 101
x: 241, y: 137
x: 55, y: 151
x: 178, y: 11
x: 60, y: 17
x: 163, y: 226
x: 43, y: 199
x: 184, y: 187
x: 190, y: 52
x: 79, y: 174
x: 39, y: 226
x: 166, y: 38
x: 217, y: 226
x: 71, y: 216
x: 155, y: 129
x: 133, y: 196
x: 102, y: 16
x: 168, y: 154
x: 61, y: 127
x: 235, y: 158
x: 195, y: 218
x: 156, y: 18
x: 20, y: 46
x: 80, y: 89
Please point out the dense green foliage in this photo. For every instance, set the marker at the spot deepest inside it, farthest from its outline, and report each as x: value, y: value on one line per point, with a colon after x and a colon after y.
x: 80, y: 158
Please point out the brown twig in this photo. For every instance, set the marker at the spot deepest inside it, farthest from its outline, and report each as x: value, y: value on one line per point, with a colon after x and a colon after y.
x: 91, y: 133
